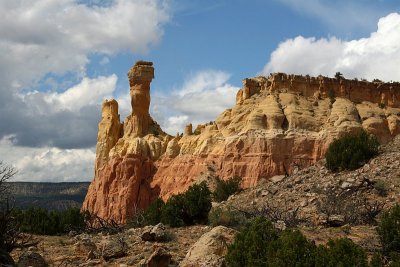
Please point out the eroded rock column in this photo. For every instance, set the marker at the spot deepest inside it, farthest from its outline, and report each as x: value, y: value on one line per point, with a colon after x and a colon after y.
x: 140, y: 76
x: 110, y: 130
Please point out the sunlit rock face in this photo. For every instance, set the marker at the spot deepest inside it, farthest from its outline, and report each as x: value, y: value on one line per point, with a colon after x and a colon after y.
x: 279, y: 123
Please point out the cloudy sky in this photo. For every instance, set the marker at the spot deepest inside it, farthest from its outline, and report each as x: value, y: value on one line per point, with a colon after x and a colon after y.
x: 60, y: 59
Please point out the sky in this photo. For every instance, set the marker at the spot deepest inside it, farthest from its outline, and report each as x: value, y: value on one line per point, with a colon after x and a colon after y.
x: 60, y: 59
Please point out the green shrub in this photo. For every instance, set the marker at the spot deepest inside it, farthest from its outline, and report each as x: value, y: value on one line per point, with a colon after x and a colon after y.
x: 228, y: 217
x: 149, y: 216
x: 152, y: 214
x: 341, y: 252
x: 226, y: 188
x: 259, y: 244
x: 351, y: 151
x: 389, y: 231
x: 252, y: 245
x: 173, y: 212
x: 292, y: 249
x: 395, y: 263
x: 42, y: 222
x: 197, y: 201
x: 376, y: 261
x: 381, y: 188
x: 187, y: 208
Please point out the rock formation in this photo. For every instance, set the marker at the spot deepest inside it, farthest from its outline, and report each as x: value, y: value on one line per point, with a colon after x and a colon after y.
x: 125, y: 153
x: 279, y: 124
x: 140, y: 77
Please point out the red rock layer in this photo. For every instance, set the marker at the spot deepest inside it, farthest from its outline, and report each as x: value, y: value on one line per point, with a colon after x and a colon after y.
x: 120, y: 188
x: 252, y: 159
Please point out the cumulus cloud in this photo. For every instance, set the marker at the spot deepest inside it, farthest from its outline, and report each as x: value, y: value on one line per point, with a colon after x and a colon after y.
x: 64, y: 120
x: 43, y: 36
x: 87, y: 92
x: 49, y: 135
x: 42, y: 40
x: 48, y: 164
x: 377, y: 56
x: 202, y: 97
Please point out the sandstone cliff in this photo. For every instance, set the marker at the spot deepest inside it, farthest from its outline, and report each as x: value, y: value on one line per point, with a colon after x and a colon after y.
x: 279, y: 124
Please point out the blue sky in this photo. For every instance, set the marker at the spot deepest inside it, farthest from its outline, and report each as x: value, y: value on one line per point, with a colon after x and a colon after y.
x: 60, y: 59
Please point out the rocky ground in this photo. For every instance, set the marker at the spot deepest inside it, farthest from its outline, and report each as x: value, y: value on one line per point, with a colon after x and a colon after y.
x: 322, y: 203
x: 122, y: 249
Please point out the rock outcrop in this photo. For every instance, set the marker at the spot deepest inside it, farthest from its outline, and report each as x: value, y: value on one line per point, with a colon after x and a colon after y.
x: 126, y: 152
x: 279, y: 124
x: 211, y: 249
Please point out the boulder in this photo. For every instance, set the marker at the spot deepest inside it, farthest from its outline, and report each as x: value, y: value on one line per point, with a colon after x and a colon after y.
x: 159, y: 258
x: 84, y: 247
x: 336, y: 220
x: 156, y: 233
x: 31, y: 259
x: 114, y: 247
x: 210, y: 249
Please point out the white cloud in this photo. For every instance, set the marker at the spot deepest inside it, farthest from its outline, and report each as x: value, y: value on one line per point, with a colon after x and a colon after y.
x: 49, y: 43
x: 176, y: 124
x: 87, y: 92
x: 48, y: 164
x: 377, y: 56
x: 202, y: 97
x: 45, y: 36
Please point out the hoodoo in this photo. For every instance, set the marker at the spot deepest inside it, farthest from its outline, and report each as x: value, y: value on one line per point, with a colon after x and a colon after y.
x: 279, y: 124
x: 125, y: 153
x: 140, y: 77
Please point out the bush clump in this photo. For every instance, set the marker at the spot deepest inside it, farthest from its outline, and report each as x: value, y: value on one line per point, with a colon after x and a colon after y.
x: 381, y: 188
x: 259, y: 244
x: 341, y: 252
x: 252, y: 244
x: 224, y: 189
x: 42, y: 222
x: 187, y: 208
x: 351, y: 151
x: 228, y: 217
x: 389, y: 232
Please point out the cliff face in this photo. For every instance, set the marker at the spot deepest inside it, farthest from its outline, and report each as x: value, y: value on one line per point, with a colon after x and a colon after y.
x: 279, y: 123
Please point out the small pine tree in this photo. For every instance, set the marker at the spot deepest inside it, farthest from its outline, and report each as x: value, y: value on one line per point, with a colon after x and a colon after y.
x: 197, y: 203
x: 389, y: 231
x: 341, y: 252
x: 339, y: 75
x: 173, y: 211
x: 376, y: 261
x: 259, y: 244
x: 152, y: 215
x: 224, y: 189
x: 292, y: 249
x: 252, y: 245
x: 189, y: 208
x: 351, y: 151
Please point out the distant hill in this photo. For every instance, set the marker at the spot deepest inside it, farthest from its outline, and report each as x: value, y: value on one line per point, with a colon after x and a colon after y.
x: 50, y: 196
